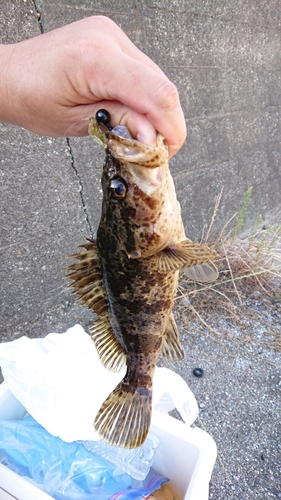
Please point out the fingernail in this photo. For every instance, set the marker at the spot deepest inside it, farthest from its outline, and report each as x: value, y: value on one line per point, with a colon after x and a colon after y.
x: 149, y: 137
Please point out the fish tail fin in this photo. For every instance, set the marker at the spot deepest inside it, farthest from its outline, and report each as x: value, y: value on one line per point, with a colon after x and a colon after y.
x: 124, y: 417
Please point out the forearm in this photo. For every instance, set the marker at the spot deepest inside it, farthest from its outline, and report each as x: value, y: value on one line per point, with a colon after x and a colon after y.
x: 32, y: 84
x: 17, y: 82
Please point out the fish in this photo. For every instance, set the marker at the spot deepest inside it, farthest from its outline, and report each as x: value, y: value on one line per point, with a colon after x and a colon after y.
x: 128, y: 275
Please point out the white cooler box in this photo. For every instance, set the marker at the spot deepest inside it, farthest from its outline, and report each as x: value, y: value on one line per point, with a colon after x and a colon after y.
x: 185, y: 455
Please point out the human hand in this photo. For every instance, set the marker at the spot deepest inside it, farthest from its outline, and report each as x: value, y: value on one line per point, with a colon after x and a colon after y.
x: 52, y: 84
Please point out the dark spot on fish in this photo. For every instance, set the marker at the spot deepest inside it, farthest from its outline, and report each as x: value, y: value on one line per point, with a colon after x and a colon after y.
x: 158, y: 344
x: 143, y: 391
x: 128, y: 212
x: 137, y: 345
x: 148, y: 200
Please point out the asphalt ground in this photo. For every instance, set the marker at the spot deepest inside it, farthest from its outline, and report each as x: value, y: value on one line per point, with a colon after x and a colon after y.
x: 50, y: 202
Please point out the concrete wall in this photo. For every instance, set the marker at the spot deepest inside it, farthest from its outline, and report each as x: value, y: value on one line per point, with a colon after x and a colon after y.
x: 225, y: 58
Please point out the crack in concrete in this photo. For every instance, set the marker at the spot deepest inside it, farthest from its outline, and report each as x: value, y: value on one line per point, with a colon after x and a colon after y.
x: 81, y: 187
x: 39, y: 17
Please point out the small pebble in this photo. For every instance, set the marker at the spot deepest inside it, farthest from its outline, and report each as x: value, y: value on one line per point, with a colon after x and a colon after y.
x: 198, y: 372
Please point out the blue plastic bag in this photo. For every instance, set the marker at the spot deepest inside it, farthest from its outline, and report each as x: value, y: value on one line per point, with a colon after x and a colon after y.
x: 66, y: 471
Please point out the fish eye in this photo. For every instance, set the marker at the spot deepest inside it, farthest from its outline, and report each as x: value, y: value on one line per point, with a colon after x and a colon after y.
x: 118, y: 189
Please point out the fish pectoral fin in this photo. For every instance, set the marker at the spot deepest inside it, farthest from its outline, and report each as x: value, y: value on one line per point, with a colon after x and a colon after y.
x: 171, y: 347
x: 204, y: 273
x: 111, y: 353
x: 124, y: 417
x: 181, y: 255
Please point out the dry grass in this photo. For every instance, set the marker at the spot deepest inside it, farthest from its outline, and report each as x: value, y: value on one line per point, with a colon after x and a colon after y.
x: 246, y: 298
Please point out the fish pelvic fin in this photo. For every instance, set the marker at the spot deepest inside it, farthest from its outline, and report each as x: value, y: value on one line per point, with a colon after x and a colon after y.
x: 87, y: 277
x: 124, y: 417
x: 183, y: 255
x: 171, y: 347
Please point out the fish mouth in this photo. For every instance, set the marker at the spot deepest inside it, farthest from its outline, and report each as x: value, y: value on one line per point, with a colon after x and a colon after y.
x: 147, y: 165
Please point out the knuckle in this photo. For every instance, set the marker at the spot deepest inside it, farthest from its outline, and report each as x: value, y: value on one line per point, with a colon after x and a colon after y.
x: 105, y: 22
x: 167, y: 96
x: 98, y: 19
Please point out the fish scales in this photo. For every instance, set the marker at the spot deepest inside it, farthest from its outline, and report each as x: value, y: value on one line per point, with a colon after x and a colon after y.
x: 129, y: 276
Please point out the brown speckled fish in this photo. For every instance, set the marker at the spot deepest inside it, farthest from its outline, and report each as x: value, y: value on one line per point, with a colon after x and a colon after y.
x: 129, y: 276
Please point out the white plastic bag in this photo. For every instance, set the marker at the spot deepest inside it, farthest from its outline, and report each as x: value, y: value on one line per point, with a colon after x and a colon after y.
x: 62, y: 383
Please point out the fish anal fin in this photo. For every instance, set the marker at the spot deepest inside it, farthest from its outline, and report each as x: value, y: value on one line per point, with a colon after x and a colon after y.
x: 171, y: 347
x: 124, y: 417
x: 181, y: 255
x: 111, y: 353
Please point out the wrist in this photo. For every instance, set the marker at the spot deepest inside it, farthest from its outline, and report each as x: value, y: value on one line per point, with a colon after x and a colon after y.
x: 8, y: 90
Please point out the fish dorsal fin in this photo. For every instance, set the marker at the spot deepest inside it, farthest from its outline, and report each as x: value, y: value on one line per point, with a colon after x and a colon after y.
x: 181, y: 255
x: 88, y: 284
x: 171, y: 347
x: 87, y: 278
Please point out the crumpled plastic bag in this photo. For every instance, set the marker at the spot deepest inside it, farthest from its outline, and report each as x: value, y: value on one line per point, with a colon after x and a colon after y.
x: 66, y: 470
x: 62, y: 383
